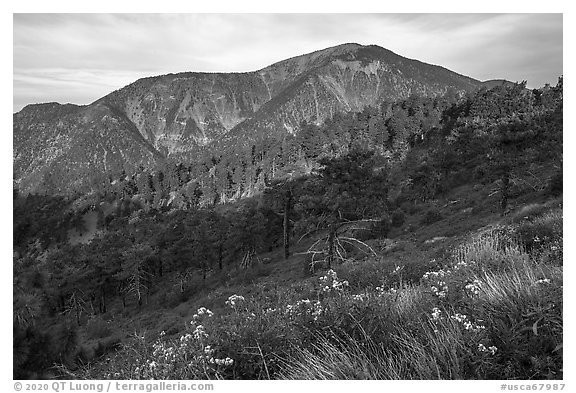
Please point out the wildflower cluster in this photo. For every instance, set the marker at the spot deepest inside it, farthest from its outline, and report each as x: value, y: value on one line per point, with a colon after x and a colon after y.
x: 430, y: 276
x: 438, y: 279
x: 436, y: 313
x: 168, y: 357
x: 468, y: 325
x: 462, y: 265
x: 381, y: 291
x: 397, y: 270
x: 221, y: 362
x: 441, y: 291
x: 360, y: 297
x: 437, y: 284
x: 187, y: 357
x: 444, y: 273
x: 199, y: 333
x: 543, y: 281
x: 201, y: 312
x: 330, y: 282
x: 234, y: 301
x: 492, y: 349
x: 473, y: 288
x: 305, y: 307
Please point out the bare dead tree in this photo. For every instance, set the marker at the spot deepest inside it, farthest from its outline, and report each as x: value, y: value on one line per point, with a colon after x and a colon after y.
x: 248, y: 258
x: 75, y: 305
x: 182, y: 278
x: 330, y: 247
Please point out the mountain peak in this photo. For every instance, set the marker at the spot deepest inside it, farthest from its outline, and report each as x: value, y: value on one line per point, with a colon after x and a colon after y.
x: 181, y: 115
x: 347, y: 47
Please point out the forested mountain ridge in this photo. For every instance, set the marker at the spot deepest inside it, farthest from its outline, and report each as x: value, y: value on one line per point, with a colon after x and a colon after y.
x: 191, y: 117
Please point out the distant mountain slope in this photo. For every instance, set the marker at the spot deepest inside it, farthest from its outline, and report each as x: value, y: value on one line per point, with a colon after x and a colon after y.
x: 342, y: 79
x: 180, y: 114
x: 64, y: 148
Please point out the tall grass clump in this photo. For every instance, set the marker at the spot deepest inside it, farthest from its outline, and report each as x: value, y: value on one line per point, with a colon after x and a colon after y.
x: 542, y: 234
x: 339, y: 358
x: 493, y: 312
x: 523, y: 307
x: 494, y: 249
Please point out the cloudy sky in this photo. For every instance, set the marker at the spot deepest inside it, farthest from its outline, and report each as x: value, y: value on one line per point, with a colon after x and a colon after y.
x: 78, y: 58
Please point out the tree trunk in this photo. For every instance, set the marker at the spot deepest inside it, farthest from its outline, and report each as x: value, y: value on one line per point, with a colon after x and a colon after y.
x: 287, y: 204
x: 102, y: 300
x: 220, y: 255
x: 331, y: 244
x: 78, y: 314
x: 504, y: 191
x: 92, y: 300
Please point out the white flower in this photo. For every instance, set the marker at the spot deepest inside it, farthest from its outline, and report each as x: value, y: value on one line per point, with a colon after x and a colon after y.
x: 397, y: 270
x: 330, y: 281
x: 543, y: 281
x: 199, y: 333
x: 221, y: 362
x: 459, y: 317
x: 468, y: 325
x: 436, y: 313
x: 491, y: 349
x: 440, y: 293
x: 204, y: 311
x: 360, y: 297
x: 234, y: 299
x: 474, y: 287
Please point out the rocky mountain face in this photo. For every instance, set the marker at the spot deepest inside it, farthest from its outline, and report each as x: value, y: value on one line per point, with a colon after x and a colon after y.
x: 66, y: 148
x: 177, y: 115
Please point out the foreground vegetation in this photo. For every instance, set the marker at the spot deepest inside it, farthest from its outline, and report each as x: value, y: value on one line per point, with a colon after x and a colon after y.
x: 491, y: 310
x: 441, y: 261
